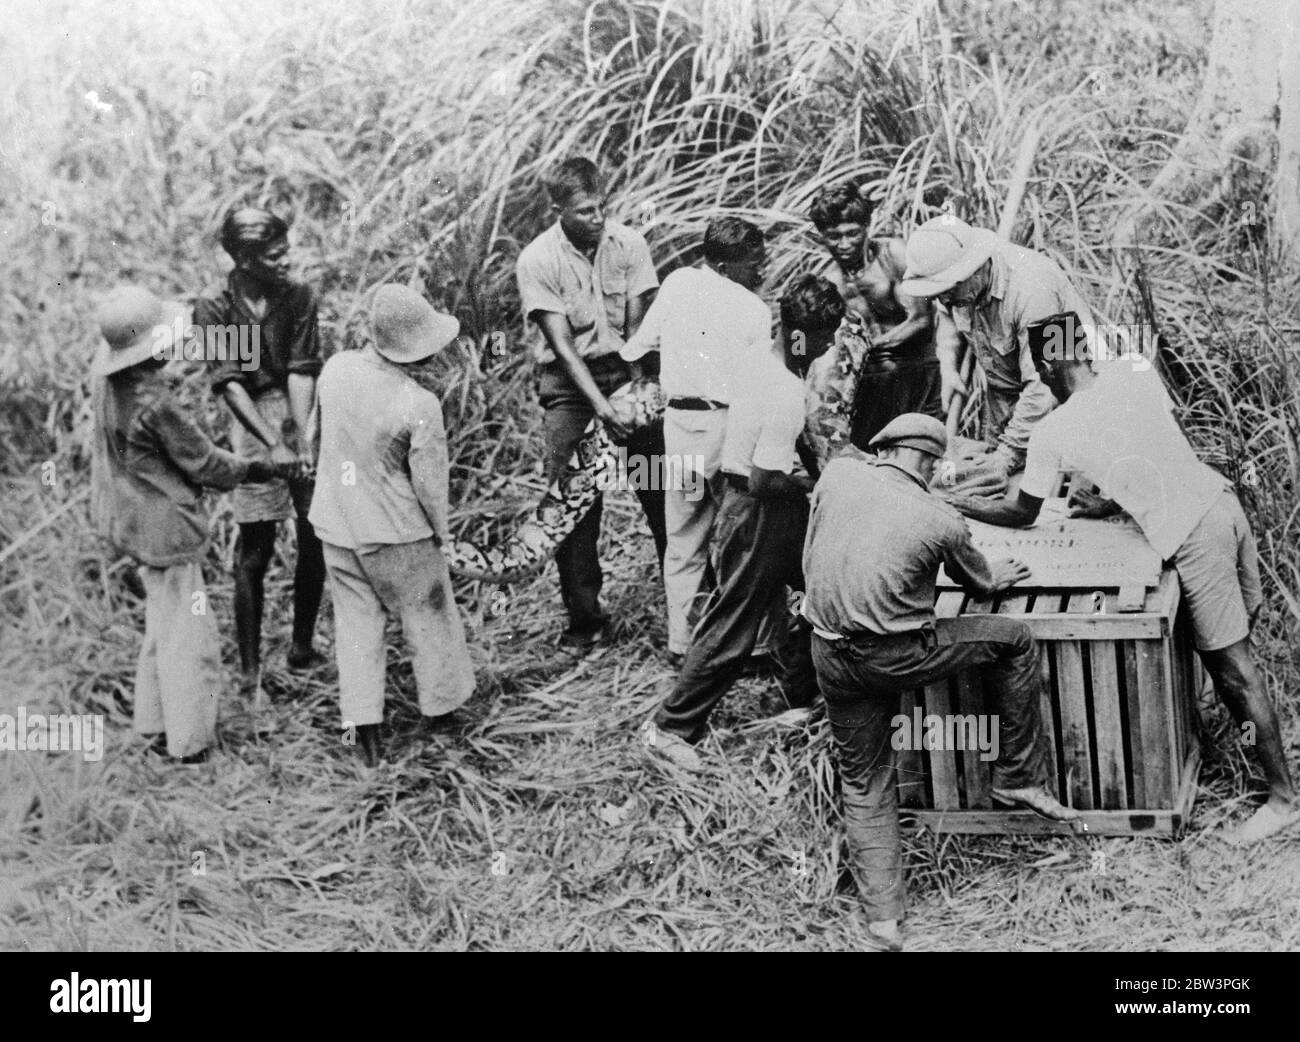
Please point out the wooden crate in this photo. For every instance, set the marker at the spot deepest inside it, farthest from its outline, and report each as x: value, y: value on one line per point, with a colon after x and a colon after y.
x: 1119, y: 709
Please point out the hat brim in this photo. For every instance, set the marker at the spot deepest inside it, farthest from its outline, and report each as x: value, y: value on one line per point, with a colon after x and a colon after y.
x: 156, y: 341
x: 434, y: 335
x: 983, y: 245
x: 925, y: 445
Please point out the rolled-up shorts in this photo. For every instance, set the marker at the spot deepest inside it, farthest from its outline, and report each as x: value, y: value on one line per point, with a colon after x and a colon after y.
x: 271, y: 500
x: 1218, y: 569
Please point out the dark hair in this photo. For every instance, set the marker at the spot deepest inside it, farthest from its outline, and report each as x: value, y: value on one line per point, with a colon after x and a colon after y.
x: 1057, y: 338
x: 731, y: 239
x: 571, y: 177
x: 839, y: 204
x: 248, y: 228
x: 812, y: 304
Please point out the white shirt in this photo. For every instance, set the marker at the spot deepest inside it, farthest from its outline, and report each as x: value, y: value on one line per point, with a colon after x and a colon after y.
x: 1121, y: 435
x: 705, y: 327
x: 765, y: 418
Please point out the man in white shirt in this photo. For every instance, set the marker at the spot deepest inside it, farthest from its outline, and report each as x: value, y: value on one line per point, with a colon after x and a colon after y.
x: 707, y: 323
x: 1115, y: 426
x: 760, y: 527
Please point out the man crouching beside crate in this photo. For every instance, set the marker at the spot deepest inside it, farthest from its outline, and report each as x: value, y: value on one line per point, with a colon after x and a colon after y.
x: 876, y: 539
x: 1115, y: 427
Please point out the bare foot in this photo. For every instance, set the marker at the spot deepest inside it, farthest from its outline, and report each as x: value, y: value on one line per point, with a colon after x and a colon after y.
x: 884, y: 935
x: 1039, y: 800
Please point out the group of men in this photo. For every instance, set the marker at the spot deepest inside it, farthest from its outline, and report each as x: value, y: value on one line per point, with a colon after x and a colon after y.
x: 811, y: 443
x: 842, y: 398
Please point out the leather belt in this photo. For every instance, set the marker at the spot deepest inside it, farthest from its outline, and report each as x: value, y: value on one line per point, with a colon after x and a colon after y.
x: 695, y: 404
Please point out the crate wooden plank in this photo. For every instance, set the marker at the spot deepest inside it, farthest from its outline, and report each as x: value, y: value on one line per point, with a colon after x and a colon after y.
x: 1027, y: 823
x: 971, y: 702
x: 909, y: 765
x: 1074, y: 626
x: 938, y: 700
x: 1154, y: 679
x: 1045, y: 602
x: 1137, y: 748
x: 1076, y: 738
x: 1108, y: 727
x: 1072, y: 553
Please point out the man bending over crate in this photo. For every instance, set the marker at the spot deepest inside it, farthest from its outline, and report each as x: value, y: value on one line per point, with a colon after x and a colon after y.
x: 875, y: 541
x: 1116, y: 428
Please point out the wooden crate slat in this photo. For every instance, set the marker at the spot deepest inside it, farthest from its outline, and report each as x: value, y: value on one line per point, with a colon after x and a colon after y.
x: 1137, y: 747
x: 1076, y: 737
x: 971, y: 701
x: 943, y: 762
x: 1086, y: 626
x: 949, y: 603
x: 1154, y: 682
x: 1027, y: 823
x: 1108, y: 729
x: 909, y: 765
x: 1043, y: 603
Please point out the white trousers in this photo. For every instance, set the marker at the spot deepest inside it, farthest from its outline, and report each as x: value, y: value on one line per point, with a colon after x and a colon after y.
x: 178, y: 672
x: 693, y: 445
x: 409, y: 581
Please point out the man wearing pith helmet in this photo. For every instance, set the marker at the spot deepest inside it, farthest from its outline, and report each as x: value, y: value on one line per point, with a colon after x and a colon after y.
x: 380, y: 507
x: 876, y: 539
x: 988, y: 291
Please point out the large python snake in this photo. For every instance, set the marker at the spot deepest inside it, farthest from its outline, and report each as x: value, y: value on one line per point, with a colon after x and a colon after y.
x: 831, y: 390
x: 566, y: 500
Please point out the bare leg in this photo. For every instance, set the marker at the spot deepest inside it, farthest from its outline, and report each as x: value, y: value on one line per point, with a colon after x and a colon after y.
x: 1237, y: 681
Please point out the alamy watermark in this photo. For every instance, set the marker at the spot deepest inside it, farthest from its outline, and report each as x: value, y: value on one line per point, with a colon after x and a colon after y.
x: 655, y: 472
x: 62, y: 732
x: 973, y: 732
x: 234, y: 342
x: 72, y: 994
x: 1136, y: 342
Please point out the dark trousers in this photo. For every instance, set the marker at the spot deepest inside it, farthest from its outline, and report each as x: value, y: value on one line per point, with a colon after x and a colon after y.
x: 567, y: 413
x: 862, y: 681
x: 886, y: 390
x: 758, y: 551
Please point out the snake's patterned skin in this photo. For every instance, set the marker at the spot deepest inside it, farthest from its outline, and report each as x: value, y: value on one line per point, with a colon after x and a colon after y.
x: 565, y: 502
x: 832, y: 385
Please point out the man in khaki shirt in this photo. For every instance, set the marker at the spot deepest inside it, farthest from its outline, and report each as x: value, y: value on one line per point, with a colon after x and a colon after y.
x: 585, y: 283
x: 988, y: 292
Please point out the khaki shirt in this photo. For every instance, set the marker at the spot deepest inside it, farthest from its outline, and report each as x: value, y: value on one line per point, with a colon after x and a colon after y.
x: 554, y: 275
x: 382, y: 473
x: 876, y: 539
x: 1026, y: 287
x: 150, y: 463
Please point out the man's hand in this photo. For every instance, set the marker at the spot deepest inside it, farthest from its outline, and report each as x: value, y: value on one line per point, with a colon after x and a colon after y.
x: 1007, y: 572
x: 609, y: 417
x: 306, y: 465
x: 951, y: 383
x: 1086, y: 503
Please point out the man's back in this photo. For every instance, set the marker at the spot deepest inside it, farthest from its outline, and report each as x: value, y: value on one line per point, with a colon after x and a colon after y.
x: 371, y: 416
x: 705, y: 326
x: 151, y: 464
x: 875, y: 542
x: 1121, y: 434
